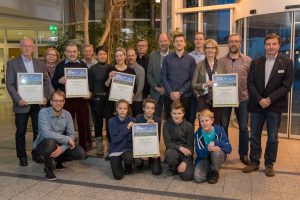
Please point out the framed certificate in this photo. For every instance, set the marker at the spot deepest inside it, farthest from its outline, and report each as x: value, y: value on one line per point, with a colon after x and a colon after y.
x: 30, y: 87
x: 225, y: 90
x: 145, y: 140
x: 122, y: 86
x: 77, y: 82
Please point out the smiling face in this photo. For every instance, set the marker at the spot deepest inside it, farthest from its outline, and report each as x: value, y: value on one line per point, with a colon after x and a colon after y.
x: 199, y: 41
x: 51, y: 56
x: 179, y: 43
x: 272, y: 47
x: 122, y: 110
x: 57, y: 102
x: 131, y: 57
x: 102, y: 56
x: 88, y: 52
x: 27, y: 47
x: 234, y: 44
x: 177, y: 115
x: 206, y: 123
x: 210, y: 50
x: 120, y: 57
x: 163, y: 42
x: 71, y: 53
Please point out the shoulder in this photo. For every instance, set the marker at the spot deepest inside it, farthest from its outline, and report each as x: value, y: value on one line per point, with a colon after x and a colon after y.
x: 188, y: 124
x: 153, y: 54
x: 44, y: 111
x: 140, y: 118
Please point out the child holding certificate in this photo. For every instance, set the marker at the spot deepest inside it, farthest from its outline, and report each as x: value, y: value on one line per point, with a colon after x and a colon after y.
x: 149, y: 117
x: 212, y: 147
x: 120, y: 146
x: 179, y: 140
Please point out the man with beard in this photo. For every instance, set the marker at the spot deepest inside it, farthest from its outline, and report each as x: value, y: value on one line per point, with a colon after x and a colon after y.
x: 235, y: 62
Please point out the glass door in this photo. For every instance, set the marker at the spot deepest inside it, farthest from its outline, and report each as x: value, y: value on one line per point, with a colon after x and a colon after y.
x: 3, y: 94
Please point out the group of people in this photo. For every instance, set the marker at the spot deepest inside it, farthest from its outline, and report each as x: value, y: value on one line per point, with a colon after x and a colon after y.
x: 176, y: 82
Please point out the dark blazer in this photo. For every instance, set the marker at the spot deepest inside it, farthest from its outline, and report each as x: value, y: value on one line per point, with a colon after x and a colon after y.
x: 16, y: 66
x: 277, y: 88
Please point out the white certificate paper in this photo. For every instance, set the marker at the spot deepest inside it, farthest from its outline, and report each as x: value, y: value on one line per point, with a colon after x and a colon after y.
x: 145, y: 140
x: 225, y: 90
x: 122, y: 86
x: 77, y: 82
x: 30, y: 87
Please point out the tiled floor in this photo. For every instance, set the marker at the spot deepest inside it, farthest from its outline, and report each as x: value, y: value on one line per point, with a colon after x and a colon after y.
x: 92, y: 178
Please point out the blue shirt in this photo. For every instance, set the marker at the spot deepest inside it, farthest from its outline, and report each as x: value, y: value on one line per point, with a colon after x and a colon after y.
x: 60, y: 128
x: 28, y: 64
x: 177, y: 73
x: 209, y: 137
x: 198, y: 56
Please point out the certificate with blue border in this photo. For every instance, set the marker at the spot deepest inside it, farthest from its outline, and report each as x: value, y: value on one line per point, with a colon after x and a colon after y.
x: 30, y: 87
x: 77, y: 82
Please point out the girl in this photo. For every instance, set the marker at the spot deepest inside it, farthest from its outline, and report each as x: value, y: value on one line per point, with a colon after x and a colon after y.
x: 120, y: 147
x: 212, y: 147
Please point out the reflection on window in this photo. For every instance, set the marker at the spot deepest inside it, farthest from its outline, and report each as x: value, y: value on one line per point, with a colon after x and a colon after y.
x: 14, y: 36
x: 190, y: 25
x: 240, y: 30
x: 46, y: 37
x: 217, y: 2
x: 1, y: 36
x: 190, y: 3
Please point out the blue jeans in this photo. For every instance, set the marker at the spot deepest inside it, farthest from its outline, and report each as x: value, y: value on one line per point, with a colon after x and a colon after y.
x: 241, y: 113
x: 273, y: 122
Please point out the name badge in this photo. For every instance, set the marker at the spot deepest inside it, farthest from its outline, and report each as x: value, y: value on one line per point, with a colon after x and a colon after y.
x: 280, y: 71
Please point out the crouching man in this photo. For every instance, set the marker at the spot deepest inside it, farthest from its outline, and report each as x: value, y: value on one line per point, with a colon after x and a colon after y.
x: 56, y: 136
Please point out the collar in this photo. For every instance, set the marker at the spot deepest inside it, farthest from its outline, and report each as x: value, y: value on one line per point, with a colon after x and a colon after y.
x: 51, y: 112
x: 175, y: 54
x: 92, y: 62
x: 164, y: 54
x: 228, y: 56
x: 271, y: 57
x: 68, y: 61
x: 26, y: 59
x: 196, y: 52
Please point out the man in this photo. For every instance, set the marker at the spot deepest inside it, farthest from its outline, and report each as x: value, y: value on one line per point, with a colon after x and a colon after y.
x: 157, y: 91
x: 25, y: 64
x: 76, y: 106
x: 176, y: 77
x: 198, y: 55
x: 88, y: 53
x: 143, y: 60
x: 137, y: 99
x: 269, y: 82
x: 56, y: 136
x: 235, y: 62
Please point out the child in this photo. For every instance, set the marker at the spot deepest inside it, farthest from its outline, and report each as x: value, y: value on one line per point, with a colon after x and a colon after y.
x: 212, y: 147
x: 120, y: 147
x: 149, y: 117
x: 179, y: 141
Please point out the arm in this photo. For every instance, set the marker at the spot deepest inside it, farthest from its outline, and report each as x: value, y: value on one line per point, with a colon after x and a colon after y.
x: 201, y: 151
x: 197, y: 84
x: 115, y: 134
x: 251, y: 85
x: 223, y: 142
x: 168, y: 138
x: 150, y: 74
x: 11, y: 82
x: 190, y: 137
x: 164, y: 77
x: 187, y: 85
x: 56, y: 76
x: 140, y: 80
x: 91, y: 79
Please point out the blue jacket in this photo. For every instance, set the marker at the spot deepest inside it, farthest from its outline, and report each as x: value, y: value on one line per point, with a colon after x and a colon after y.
x: 221, y: 141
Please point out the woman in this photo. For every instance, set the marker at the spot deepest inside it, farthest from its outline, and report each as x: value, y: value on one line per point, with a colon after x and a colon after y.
x: 51, y: 58
x: 202, y: 79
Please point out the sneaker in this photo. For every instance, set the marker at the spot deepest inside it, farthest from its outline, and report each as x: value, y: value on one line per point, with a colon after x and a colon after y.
x: 250, y: 168
x: 269, y: 171
x: 59, y: 166
x: 213, y: 177
x: 168, y: 173
x: 50, y: 176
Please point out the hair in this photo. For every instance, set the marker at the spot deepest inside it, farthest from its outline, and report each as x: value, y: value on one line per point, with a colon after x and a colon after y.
x: 214, y: 43
x: 26, y: 38
x: 129, y: 112
x: 121, y: 49
x: 86, y: 46
x: 130, y: 49
x: 142, y: 40
x: 163, y: 34
x: 58, y: 93
x: 51, y: 49
x: 272, y: 36
x: 70, y: 44
x: 101, y: 48
x: 234, y: 34
x: 177, y: 105
x: 176, y: 35
x: 207, y: 113
x: 149, y: 100
x: 200, y: 33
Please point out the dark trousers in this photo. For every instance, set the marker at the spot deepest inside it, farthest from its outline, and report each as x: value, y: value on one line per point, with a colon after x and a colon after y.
x: 273, y: 123
x: 137, y: 108
x: 159, y: 106
x: 154, y: 163
x: 47, y: 146
x: 78, y: 107
x: 218, y: 112
x: 174, y: 158
x: 98, y: 105
x: 110, y: 112
x: 193, y: 109
x: 184, y: 101
x: 21, y: 121
x: 116, y: 163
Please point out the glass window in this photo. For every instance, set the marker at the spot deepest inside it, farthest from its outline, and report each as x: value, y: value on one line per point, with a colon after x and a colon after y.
x: 41, y: 51
x: 169, y: 16
x: 216, y: 25
x: 1, y: 36
x: 190, y: 25
x: 46, y: 37
x: 14, y: 36
x: 240, y: 30
x: 190, y: 3
x: 217, y: 2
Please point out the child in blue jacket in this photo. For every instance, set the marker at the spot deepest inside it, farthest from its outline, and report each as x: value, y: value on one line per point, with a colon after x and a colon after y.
x: 212, y: 147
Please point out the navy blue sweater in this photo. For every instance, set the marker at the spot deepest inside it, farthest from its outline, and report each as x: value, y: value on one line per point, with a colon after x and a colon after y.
x: 141, y: 119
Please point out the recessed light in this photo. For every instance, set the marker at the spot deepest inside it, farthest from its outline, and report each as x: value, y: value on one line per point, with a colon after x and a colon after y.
x: 20, y: 33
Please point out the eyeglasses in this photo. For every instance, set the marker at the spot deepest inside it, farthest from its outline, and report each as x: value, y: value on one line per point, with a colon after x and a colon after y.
x: 142, y: 45
x: 57, y: 101
x: 27, y: 47
x: 234, y: 41
x: 209, y: 48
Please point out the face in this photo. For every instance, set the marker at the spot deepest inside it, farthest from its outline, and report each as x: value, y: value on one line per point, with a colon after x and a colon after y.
x: 206, y: 123
x: 199, y: 41
x: 88, y: 53
x: 210, y: 50
x: 57, y: 103
x: 177, y: 115
x: 131, y: 57
x: 102, y: 56
x: 149, y: 109
x: 51, y: 56
x: 179, y: 43
x: 120, y: 57
x: 27, y: 47
x: 234, y: 44
x: 71, y: 53
x: 163, y: 42
x: 142, y: 47
x: 122, y: 109
x: 272, y: 47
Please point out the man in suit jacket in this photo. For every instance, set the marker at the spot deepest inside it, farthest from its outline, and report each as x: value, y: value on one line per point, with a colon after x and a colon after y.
x: 25, y: 64
x: 154, y: 69
x: 269, y: 82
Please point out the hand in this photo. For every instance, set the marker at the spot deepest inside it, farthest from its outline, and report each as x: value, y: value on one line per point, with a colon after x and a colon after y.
x: 181, y: 167
x: 58, y: 151
x: 160, y: 90
x: 22, y: 102
x: 62, y: 80
x: 265, y: 102
x: 151, y: 121
x: 209, y: 83
x: 44, y: 102
x: 175, y: 96
x: 211, y: 146
x: 71, y: 143
x: 89, y: 96
x: 112, y: 74
x: 185, y: 151
x: 216, y: 148
x: 130, y: 124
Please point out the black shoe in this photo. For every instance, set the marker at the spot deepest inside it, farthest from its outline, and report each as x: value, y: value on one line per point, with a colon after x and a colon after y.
x: 59, y: 166
x: 89, y: 145
x: 213, y: 177
x: 106, y: 158
x: 168, y: 173
x: 50, y: 176
x: 269, y: 171
x: 23, y: 161
x: 250, y: 168
x: 245, y: 160
x: 127, y: 171
x: 37, y: 158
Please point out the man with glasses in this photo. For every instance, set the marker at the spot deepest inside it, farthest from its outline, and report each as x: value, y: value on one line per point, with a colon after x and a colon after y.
x: 236, y: 62
x: 56, y: 136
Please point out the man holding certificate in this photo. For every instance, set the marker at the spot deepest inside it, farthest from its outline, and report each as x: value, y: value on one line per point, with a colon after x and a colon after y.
x: 71, y: 76
x: 26, y: 98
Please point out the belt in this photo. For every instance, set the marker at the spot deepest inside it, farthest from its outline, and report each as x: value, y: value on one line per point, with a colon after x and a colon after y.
x: 99, y: 94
